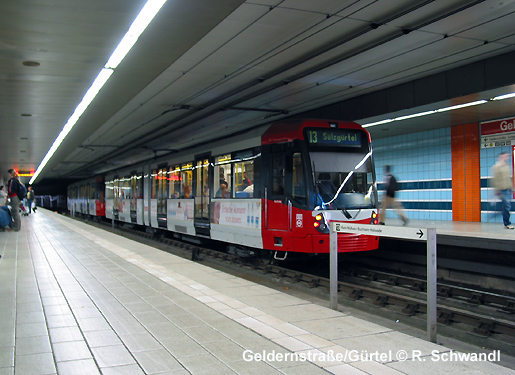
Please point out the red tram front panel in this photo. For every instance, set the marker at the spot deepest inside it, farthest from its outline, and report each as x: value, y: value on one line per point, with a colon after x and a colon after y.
x: 316, y: 168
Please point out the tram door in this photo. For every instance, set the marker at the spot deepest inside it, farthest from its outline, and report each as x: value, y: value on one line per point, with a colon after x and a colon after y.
x: 202, y: 201
x: 278, y: 205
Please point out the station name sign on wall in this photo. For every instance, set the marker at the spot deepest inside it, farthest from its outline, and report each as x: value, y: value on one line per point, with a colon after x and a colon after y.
x: 498, y: 133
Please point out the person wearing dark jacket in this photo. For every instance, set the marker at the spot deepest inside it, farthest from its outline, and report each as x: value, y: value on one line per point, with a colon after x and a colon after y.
x: 13, y: 188
x: 390, y: 187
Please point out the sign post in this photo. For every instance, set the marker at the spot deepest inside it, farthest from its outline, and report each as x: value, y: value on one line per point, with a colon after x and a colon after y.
x: 431, y: 284
x: 406, y: 233
x: 333, y: 270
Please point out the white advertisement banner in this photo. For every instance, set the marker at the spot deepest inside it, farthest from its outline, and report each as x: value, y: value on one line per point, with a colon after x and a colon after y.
x: 243, y: 214
x: 180, y: 209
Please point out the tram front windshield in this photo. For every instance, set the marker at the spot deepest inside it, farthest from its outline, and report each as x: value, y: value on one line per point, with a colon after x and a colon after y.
x: 343, y: 181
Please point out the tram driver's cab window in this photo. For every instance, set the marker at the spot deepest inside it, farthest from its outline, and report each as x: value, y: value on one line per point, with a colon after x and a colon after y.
x: 298, y: 182
x: 278, y: 175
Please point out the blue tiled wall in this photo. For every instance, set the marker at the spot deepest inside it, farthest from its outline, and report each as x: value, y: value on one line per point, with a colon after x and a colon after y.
x: 490, y: 204
x: 421, y: 163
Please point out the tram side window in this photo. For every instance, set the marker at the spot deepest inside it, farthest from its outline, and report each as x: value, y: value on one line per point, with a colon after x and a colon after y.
x: 244, y: 174
x: 186, y: 181
x: 162, y: 191
x: 116, y: 191
x: 277, y: 175
x: 125, y: 188
x: 298, y: 182
x: 223, y: 176
x: 153, y: 185
x: 137, y: 186
x: 109, y: 189
x: 174, y: 176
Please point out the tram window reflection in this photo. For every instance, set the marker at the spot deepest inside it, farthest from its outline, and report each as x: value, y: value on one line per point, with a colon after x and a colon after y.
x: 244, y: 173
x: 223, y: 170
x: 174, y: 176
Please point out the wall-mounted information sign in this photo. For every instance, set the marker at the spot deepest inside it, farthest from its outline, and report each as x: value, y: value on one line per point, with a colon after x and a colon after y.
x: 498, y: 133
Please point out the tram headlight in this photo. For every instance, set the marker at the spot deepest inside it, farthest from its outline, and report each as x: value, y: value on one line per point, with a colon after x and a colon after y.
x: 320, y: 223
x: 374, y: 219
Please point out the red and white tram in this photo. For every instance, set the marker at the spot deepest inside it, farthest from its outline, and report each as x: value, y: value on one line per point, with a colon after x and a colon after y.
x: 274, y: 188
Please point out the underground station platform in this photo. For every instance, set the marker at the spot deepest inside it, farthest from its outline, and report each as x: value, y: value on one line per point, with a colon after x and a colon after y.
x: 80, y: 300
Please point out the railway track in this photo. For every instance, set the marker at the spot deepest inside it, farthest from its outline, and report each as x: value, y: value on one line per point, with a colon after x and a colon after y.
x: 479, y: 317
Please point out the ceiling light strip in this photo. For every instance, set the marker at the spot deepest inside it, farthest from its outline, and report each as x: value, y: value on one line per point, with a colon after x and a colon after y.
x: 506, y: 96
x: 139, y: 25
x: 477, y: 102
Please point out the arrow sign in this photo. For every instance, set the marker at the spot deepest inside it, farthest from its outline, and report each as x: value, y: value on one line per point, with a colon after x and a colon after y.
x: 406, y: 233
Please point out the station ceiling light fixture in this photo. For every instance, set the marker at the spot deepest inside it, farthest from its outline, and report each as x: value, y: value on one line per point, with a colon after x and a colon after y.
x: 140, y: 23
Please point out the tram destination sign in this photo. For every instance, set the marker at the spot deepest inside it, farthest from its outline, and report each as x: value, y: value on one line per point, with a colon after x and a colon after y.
x: 333, y: 137
x: 407, y: 233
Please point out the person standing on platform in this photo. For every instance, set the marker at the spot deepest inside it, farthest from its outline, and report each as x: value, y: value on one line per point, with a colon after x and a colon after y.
x: 503, y: 186
x: 30, y: 198
x: 390, y: 187
x: 12, y: 193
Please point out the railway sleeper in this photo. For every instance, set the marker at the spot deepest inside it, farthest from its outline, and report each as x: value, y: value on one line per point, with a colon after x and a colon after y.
x: 419, y: 286
x: 509, y: 307
x: 410, y: 309
x: 445, y: 317
x: 484, y: 328
x: 444, y: 291
x: 393, y: 280
x: 476, y: 299
x: 356, y: 294
x: 315, y: 282
x: 381, y: 300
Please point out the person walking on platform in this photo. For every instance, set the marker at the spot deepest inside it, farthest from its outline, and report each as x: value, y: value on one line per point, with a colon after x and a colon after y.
x: 503, y: 186
x: 390, y: 187
x: 13, y: 189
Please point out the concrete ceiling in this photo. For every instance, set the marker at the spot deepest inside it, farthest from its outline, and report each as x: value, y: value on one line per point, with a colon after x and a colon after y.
x: 207, y: 69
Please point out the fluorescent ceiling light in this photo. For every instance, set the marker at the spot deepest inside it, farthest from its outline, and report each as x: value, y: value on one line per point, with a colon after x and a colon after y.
x: 139, y: 25
x: 426, y: 113
x: 506, y: 96
x: 379, y: 122
x: 414, y: 115
x: 461, y: 106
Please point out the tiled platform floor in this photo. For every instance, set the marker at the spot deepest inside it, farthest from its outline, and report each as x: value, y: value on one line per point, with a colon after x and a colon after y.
x: 77, y: 300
